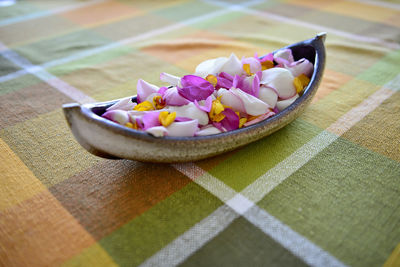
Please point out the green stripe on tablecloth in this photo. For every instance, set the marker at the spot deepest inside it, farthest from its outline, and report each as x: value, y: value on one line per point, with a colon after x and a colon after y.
x: 330, y: 108
x: 252, y: 161
x: 242, y: 244
x: 17, y: 84
x: 383, y: 128
x: 346, y: 200
x: 47, y: 147
x: 219, y: 20
x: 145, y: 235
x: 7, y: 67
x: 22, y: 8
x: 131, y: 27
x: 61, y: 46
x: 89, y: 61
x: 185, y: 11
x: 105, y: 80
x: 384, y: 70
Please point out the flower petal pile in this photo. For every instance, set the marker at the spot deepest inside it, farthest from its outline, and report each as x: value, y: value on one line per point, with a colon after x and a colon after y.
x: 223, y: 94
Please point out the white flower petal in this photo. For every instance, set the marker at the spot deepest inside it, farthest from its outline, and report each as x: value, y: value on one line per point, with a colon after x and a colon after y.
x: 144, y: 89
x: 285, y: 54
x: 184, y: 128
x: 208, y: 131
x: 232, y: 66
x: 157, y: 131
x: 268, y: 95
x: 281, y: 80
x: 190, y: 111
x: 119, y: 116
x: 232, y: 100
x: 281, y: 105
x: 123, y: 104
x: 302, y: 66
x: 252, y: 104
x: 169, y: 78
x: 211, y: 66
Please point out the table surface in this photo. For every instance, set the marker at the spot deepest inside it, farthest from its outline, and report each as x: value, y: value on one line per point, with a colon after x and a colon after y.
x: 323, y: 191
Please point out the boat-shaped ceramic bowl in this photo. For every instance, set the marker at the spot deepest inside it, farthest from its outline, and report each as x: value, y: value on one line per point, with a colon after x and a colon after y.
x: 107, y: 139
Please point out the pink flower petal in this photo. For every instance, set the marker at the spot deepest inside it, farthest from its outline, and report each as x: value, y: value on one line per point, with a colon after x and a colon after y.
x: 284, y: 57
x: 269, y: 57
x: 173, y: 98
x: 162, y: 90
x: 195, y: 88
x: 260, y: 118
x: 207, y: 104
x: 180, y: 119
x: 144, y: 89
x: 231, y: 120
x: 151, y: 119
x: 254, y: 63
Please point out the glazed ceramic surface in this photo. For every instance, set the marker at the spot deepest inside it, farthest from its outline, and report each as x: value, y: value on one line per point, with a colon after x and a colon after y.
x: 107, y: 139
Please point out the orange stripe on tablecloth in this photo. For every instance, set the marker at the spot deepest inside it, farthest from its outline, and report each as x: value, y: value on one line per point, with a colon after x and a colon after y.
x: 112, y: 193
x: 40, y: 232
x: 394, y: 258
x: 102, y: 12
x: 17, y: 182
x: 331, y: 81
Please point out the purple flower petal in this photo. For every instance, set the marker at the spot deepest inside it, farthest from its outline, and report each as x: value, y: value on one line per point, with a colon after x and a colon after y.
x: 256, y: 84
x: 231, y: 120
x: 195, y: 88
x: 218, y: 125
x: 151, y: 119
x: 207, y: 104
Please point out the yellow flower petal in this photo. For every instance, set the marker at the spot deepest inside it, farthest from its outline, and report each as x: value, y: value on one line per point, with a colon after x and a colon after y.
x: 131, y: 125
x: 246, y: 68
x: 300, y: 82
x: 215, y: 113
x: 144, y: 106
x: 166, y: 118
x: 298, y: 85
x: 212, y: 79
x: 159, y: 102
x: 304, y: 79
x: 242, y: 121
x: 267, y: 65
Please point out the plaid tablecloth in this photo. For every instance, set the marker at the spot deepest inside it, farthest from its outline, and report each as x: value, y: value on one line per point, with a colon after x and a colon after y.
x: 323, y: 191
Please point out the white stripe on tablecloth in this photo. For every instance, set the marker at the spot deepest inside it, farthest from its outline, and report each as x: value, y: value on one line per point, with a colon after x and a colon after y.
x: 244, y: 203
x: 50, y: 79
x: 131, y: 40
x: 379, y: 3
x: 271, y: 16
x: 189, y: 242
x: 46, y: 13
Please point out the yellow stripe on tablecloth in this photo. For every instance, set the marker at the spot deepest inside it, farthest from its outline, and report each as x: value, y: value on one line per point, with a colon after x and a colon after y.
x: 362, y: 11
x: 92, y: 256
x: 394, y: 258
x: 18, y: 182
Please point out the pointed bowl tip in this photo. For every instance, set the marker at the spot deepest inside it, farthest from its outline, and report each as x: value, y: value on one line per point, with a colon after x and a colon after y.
x: 321, y: 36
